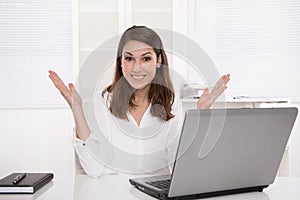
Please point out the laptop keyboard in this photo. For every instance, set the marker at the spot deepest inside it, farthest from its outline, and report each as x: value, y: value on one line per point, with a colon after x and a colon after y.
x: 162, y: 184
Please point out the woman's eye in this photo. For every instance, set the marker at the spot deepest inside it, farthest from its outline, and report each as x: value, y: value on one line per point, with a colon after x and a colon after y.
x: 128, y: 58
x: 147, y: 58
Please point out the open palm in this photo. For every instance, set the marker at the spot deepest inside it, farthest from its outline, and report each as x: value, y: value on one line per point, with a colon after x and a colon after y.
x: 208, y: 97
x: 69, y: 93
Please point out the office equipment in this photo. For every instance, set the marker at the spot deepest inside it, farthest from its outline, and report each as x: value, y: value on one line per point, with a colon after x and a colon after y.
x: 18, y: 178
x: 225, y: 151
x: 26, y: 183
x: 193, y: 91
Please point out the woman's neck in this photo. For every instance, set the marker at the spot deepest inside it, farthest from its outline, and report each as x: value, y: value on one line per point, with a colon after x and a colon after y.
x: 141, y: 102
x: 141, y: 96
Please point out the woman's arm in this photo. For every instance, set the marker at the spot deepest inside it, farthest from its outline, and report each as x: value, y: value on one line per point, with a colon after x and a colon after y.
x: 74, y: 100
x: 88, y: 146
x: 208, y: 97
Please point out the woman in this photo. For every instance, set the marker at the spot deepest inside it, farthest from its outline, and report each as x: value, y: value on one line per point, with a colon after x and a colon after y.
x: 138, y: 113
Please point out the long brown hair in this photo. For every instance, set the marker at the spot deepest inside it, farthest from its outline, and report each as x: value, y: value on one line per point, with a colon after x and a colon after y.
x: 161, y: 93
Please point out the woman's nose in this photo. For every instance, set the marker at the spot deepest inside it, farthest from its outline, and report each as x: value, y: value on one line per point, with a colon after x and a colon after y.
x: 136, y: 66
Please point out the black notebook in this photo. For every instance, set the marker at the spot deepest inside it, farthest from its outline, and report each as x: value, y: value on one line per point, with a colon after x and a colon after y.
x: 24, y: 182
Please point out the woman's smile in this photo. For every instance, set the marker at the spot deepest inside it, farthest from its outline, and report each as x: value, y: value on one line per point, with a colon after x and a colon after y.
x: 138, y: 78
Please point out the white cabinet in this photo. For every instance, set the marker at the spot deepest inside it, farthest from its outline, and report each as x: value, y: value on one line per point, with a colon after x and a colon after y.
x: 99, y: 20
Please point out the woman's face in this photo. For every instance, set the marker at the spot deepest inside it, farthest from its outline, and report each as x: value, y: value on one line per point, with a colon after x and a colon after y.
x: 139, y: 63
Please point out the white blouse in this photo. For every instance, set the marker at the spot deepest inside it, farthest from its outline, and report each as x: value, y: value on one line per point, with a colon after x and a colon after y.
x: 117, y: 145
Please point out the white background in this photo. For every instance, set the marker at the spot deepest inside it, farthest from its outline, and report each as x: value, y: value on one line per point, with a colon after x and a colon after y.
x: 37, y: 135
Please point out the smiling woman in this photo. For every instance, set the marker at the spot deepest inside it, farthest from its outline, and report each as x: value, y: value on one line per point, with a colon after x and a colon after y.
x: 142, y: 75
x: 139, y: 69
x: 135, y: 122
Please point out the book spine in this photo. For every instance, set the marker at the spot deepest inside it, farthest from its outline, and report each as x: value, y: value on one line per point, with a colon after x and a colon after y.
x: 42, y: 182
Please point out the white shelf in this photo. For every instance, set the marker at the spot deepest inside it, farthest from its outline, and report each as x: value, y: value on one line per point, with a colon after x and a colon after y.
x: 153, y: 10
x: 85, y: 11
x: 245, y: 100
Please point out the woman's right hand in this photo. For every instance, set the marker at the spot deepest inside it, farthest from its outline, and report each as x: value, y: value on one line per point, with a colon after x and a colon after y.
x: 69, y: 93
x: 75, y: 103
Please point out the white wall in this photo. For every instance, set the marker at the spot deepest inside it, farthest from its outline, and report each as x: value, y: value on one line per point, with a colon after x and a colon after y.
x: 41, y: 139
x: 294, y: 153
x: 36, y: 140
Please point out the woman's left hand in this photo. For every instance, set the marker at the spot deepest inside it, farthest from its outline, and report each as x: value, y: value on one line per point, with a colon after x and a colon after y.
x: 208, y: 97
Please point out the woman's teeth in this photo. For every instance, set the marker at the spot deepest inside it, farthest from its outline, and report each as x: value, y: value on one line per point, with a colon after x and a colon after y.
x: 138, y: 77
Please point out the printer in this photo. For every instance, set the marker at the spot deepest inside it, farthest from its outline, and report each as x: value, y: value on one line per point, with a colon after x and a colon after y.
x: 193, y: 91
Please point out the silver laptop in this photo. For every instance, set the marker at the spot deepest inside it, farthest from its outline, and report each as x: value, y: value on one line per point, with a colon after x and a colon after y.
x: 224, y: 151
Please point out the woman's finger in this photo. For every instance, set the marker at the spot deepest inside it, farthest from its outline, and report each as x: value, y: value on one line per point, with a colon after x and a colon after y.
x: 206, y: 91
x: 71, y: 86
x: 222, y: 82
x: 58, y: 83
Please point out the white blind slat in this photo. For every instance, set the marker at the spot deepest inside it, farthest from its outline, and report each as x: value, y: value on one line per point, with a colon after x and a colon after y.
x: 35, y: 36
x: 258, y: 42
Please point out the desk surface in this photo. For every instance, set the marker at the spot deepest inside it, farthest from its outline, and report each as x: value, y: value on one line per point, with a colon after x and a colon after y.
x: 117, y: 187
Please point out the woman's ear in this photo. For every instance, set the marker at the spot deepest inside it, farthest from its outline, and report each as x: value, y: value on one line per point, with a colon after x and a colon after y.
x: 159, y: 61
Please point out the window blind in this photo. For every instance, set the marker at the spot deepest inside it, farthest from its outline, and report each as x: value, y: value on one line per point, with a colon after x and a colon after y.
x: 35, y: 36
x: 257, y: 42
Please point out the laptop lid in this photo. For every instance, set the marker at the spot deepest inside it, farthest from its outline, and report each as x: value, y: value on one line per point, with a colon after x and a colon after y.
x: 228, y: 149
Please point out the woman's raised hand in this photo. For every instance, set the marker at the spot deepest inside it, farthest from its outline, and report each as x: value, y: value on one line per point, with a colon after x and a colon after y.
x: 75, y: 102
x: 69, y: 93
x: 208, y: 97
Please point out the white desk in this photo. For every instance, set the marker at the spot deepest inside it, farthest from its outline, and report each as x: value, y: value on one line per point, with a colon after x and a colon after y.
x: 116, y: 187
